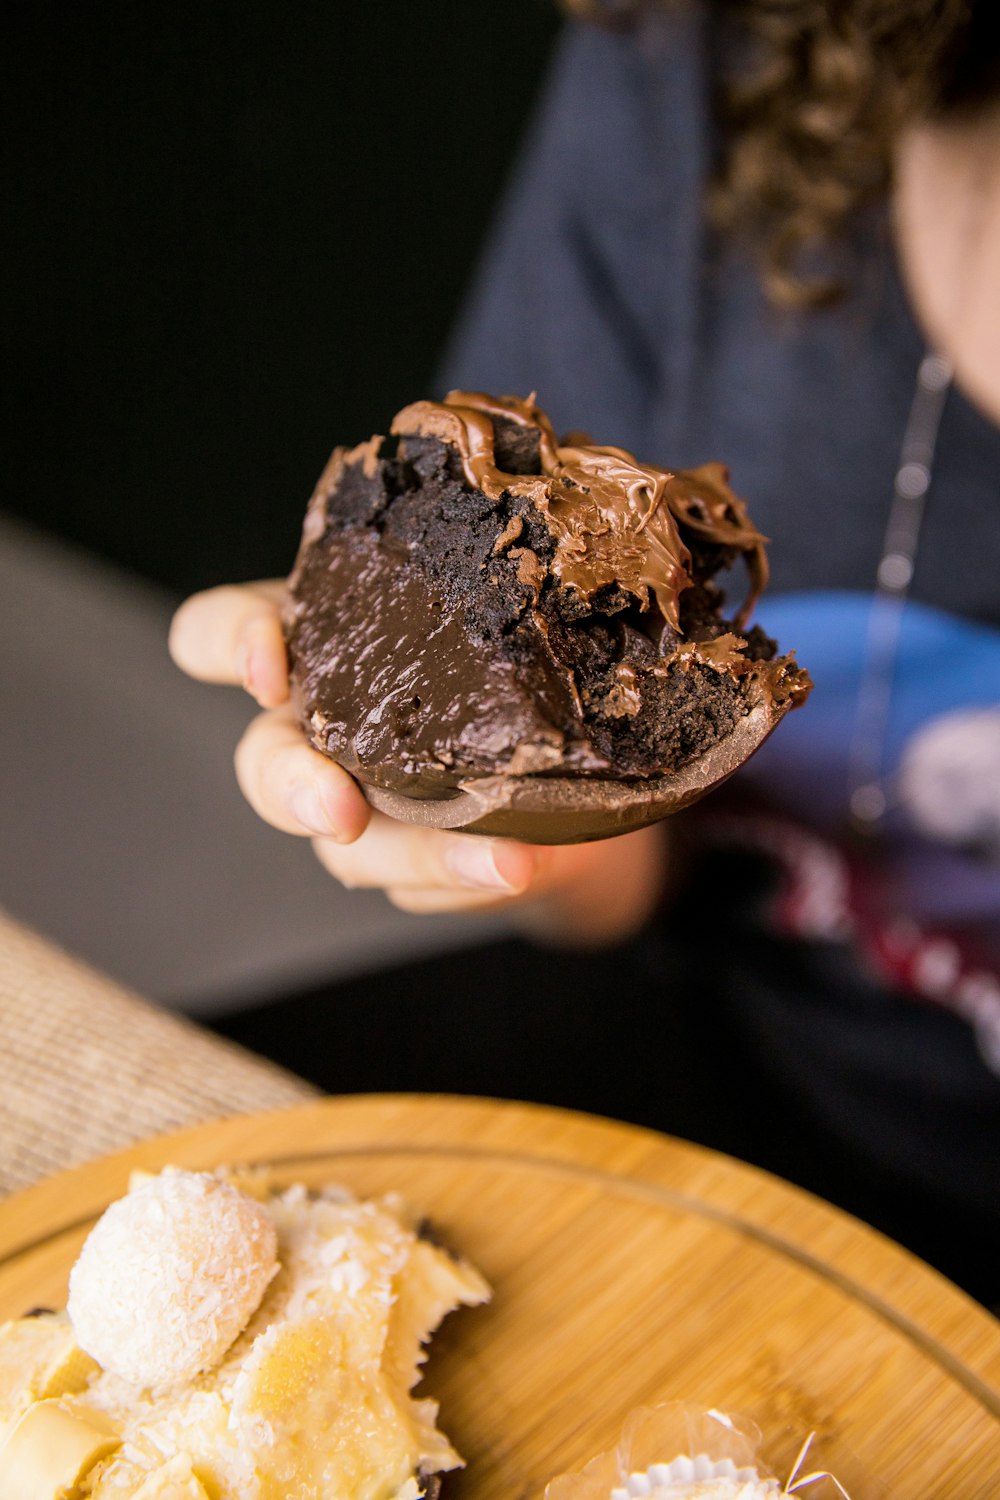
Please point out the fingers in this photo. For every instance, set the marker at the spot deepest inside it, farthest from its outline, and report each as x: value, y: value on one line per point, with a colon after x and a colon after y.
x: 424, y: 869
x: 586, y: 893
x: 233, y: 634
x: 292, y: 786
x: 437, y: 903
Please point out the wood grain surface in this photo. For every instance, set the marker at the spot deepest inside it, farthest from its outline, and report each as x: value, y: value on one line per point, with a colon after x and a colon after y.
x: 628, y: 1269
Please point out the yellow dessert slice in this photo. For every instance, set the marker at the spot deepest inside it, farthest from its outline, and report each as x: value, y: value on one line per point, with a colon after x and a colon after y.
x: 51, y: 1449
x: 430, y: 1285
x: 124, y: 1480
x: 39, y: 1359
x: 315, y: 1418
x: 174, y: 1481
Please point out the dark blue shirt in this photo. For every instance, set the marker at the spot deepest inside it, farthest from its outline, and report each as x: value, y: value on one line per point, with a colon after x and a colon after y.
x: 604, y: 290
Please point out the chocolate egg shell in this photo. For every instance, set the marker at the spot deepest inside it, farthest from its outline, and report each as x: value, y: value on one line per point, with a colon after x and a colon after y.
x: 563, y: 810
x: 496, y: 631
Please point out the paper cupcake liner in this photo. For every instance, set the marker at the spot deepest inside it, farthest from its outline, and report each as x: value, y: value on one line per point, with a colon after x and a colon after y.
x: 697, y: 1478
x: 718, y: 1458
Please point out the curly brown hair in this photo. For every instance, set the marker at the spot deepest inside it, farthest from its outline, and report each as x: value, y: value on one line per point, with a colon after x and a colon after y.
x: 809, y: 123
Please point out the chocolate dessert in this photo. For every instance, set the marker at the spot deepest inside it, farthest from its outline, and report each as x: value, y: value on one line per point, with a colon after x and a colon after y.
x: 495, y: 631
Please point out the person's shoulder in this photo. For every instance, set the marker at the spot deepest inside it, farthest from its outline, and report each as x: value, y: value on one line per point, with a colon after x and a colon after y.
x: 623, y: 96
x: 638, y: 50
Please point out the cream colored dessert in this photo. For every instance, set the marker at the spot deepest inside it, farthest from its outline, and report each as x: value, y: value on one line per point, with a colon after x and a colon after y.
x: 684, y: 1478
x: 286, y: 1378
x: 698, y: 1478
x: 169, y: 1277
x: 674, y: 1452
x: 716, y: 1457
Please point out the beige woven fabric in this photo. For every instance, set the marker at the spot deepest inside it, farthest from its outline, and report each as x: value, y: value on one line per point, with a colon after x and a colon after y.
x: 87, y: 1068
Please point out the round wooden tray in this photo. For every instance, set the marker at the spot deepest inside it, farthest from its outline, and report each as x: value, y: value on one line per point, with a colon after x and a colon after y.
x: 628, y: 1269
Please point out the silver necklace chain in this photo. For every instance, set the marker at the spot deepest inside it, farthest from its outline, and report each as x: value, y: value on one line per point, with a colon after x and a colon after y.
x: 869, y: 799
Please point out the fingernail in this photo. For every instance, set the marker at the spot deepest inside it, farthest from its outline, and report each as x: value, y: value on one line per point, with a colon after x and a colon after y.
x: 307, y: 807
x: 251, y: 665
x: 241, y: 661
x: 472, y: 862
x: 262, y: 671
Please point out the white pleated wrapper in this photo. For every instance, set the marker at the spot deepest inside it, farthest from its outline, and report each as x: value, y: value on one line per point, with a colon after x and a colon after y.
x: 679, y: 1451
x: 674, y: 1452
x: 698, y: 1478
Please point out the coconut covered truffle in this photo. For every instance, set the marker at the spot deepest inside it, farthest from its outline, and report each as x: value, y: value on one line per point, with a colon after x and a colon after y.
x: 170, y: 1276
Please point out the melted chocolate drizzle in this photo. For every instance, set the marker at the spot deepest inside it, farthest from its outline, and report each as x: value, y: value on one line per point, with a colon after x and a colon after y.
x: 613, y: 519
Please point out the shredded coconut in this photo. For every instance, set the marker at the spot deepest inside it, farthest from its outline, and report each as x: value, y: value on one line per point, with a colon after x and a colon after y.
x: 170, y: 1276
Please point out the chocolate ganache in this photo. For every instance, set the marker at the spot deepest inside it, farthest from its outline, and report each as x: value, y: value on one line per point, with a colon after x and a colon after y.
x: 474, y: 599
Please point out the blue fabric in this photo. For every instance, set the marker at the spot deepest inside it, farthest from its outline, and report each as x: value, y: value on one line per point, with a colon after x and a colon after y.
x: 942, y: 664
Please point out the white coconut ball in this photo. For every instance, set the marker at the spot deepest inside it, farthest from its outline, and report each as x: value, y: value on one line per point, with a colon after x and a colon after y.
x: 169, y: 1276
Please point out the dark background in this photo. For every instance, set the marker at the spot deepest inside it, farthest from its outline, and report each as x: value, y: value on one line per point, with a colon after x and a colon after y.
x: 237, y: 234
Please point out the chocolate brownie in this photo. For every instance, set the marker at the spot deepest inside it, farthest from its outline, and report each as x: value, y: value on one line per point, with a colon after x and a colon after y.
x: 475, y: 602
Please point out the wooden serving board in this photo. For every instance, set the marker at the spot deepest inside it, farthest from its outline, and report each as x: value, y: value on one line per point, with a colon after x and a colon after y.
x: 628, y: 1269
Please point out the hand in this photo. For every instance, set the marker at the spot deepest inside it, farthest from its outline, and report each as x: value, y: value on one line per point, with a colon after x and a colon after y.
x: 588, y: 894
